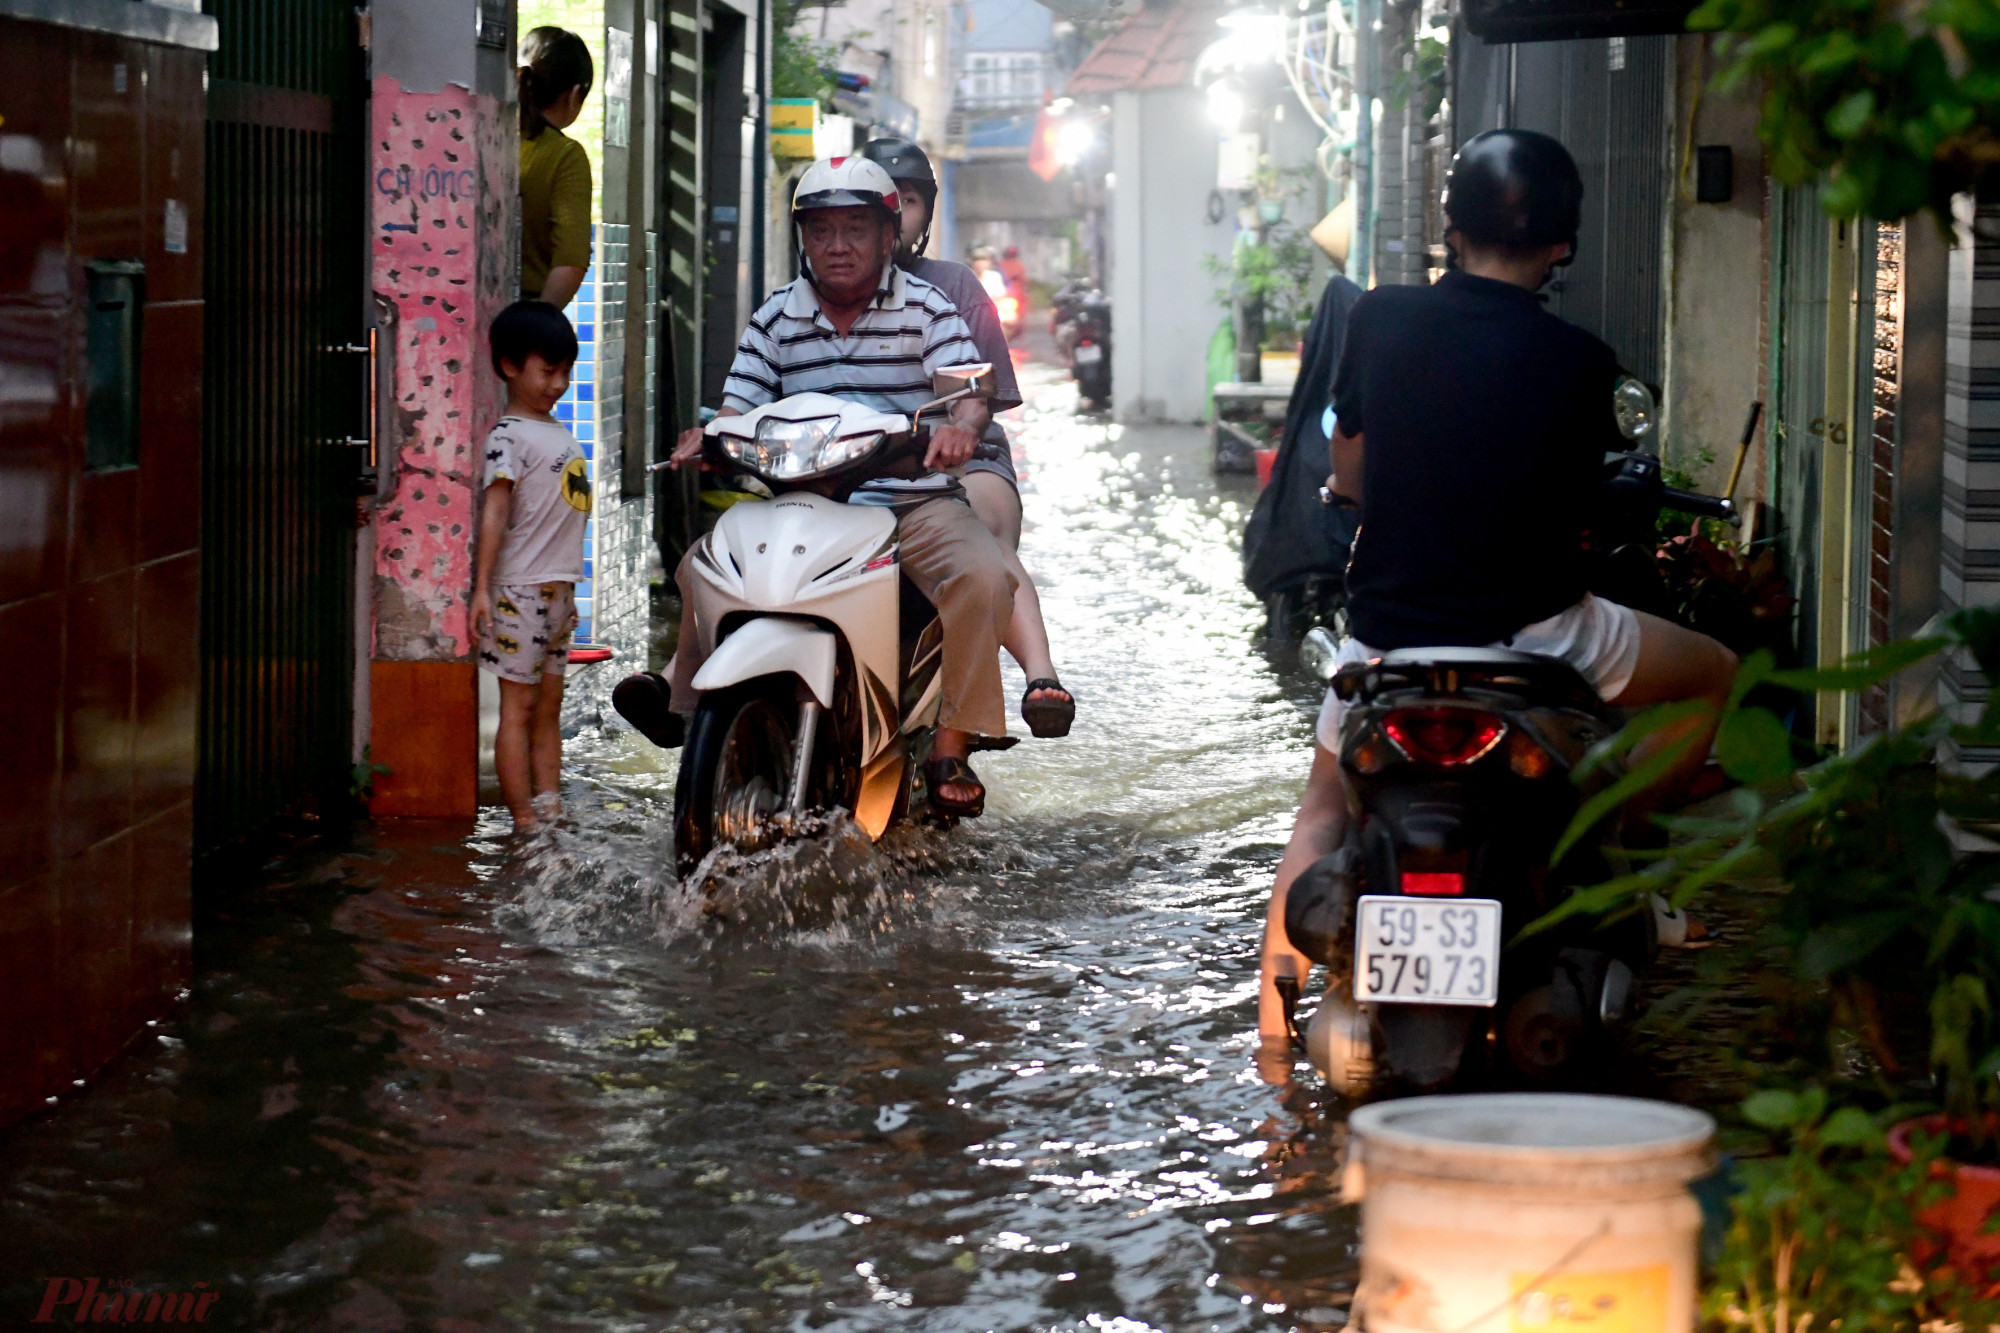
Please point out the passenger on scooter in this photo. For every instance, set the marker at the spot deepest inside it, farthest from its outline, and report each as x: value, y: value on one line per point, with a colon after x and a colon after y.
x: 1472, y: 429
x: 1046, y: 706
x: 857, y: 327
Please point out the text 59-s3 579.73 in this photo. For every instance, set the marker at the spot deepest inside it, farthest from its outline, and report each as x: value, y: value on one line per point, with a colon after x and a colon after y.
x: 1415, y: 951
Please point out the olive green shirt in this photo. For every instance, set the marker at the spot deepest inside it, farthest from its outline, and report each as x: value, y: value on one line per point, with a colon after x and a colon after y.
x: 555, y: 207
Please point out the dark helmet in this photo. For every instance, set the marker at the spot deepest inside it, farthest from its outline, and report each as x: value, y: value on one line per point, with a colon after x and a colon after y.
x: 903, y: 160
x: 906, y: 164
x: 1515, y: 187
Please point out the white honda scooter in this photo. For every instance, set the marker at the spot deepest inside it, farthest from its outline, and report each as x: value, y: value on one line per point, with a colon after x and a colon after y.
x: 819, y: 688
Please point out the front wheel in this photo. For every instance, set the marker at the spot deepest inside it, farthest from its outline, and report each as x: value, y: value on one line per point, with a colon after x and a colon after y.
x: 735, y: 769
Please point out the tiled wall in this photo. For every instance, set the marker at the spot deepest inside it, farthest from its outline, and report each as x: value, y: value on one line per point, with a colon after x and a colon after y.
x: 1972, y: 447
x: 99, y: 570
x: 613, y: 599
x: 578, y: 411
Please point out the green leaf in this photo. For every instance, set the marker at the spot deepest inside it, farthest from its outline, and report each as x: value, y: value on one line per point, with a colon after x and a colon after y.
x: 1851, y: 114
x: 1863, y: 669
x: 1640, y: 778
x: 1953, y: 118
x: 1754, y: 671
x: 1654, y: 719
x: 1626, y: 891
x: 1850, y: 1127
x: 1831, y: 53
x: 1773, y: 1108
x: 1978, y: 628
x: 1904, y: 186
x: 1753, y: 747
x: 1742, y: 856
x: 1710, y: 15
x: 1840, y: 945
x: 1774, y: 37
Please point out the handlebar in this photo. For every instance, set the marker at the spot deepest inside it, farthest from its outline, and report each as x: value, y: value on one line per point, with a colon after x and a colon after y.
x: 1701, y: 506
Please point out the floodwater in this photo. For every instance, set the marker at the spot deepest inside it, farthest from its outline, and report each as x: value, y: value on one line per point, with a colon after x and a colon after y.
x: 428, y: 1079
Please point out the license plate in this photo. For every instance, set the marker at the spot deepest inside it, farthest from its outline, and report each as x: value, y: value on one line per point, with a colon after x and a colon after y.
x: 1426, y: 951
x: 1089, y: 355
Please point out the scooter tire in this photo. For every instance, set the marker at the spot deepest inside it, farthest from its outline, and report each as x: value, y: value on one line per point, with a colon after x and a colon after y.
x: 702, y: 754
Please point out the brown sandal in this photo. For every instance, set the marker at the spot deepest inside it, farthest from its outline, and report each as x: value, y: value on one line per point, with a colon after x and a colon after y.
x: 940, y: 772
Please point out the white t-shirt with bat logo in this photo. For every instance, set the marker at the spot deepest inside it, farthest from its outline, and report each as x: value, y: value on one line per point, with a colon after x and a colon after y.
x: 544, y: 541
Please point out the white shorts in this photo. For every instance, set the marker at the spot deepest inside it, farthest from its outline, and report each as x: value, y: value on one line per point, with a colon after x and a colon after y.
x: 1599, y: 638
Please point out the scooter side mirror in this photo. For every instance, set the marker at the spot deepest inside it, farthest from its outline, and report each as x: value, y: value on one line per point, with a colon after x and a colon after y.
x: 974, y: 379
x: 1319, y: 653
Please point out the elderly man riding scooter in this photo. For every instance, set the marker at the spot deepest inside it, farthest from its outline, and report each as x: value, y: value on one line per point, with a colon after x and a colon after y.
x: 857, y: 327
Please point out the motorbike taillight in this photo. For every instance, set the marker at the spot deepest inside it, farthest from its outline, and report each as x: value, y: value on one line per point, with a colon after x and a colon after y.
x: 1434, y: 883
x: 1447, y: 737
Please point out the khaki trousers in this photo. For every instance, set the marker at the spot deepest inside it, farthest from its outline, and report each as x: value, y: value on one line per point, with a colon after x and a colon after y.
x: 953, y: 560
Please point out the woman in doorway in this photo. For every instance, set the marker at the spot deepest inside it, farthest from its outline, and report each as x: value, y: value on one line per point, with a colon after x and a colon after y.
x: 556, y: 74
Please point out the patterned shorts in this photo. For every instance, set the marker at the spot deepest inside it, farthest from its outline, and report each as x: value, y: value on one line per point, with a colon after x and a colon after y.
x: 528, y: 635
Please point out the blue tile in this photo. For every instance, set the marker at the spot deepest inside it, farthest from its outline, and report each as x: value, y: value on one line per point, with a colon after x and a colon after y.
x: 586, y: 333
x: 586, y: 393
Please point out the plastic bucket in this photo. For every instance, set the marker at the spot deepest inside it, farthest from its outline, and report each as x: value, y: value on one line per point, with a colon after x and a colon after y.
x: 1527, y: 1213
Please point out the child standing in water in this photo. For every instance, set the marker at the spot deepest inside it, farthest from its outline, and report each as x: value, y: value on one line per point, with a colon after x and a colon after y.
x: 530, y: 555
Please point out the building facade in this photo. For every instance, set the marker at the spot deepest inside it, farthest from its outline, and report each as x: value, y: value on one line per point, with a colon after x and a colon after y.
x: 102, y: 313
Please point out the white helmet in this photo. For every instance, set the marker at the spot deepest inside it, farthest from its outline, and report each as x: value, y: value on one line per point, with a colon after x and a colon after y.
x: 846, y: 182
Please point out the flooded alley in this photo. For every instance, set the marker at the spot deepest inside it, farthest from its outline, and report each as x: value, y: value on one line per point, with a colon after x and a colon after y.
x: 1001, y: 1081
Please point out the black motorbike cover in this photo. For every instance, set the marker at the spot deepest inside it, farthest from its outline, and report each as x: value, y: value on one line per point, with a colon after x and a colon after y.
x: 1291, y: 535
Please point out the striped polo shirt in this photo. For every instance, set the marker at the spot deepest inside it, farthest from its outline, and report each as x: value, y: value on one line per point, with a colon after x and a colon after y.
x: 906, y: 335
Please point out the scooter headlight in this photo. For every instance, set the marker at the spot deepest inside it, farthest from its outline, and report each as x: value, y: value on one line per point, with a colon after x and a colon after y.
x: 791, y: 450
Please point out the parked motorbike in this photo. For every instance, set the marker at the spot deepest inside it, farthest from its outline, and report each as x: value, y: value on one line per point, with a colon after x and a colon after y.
x: 819, y: 688
x: 1460, y: 762
x: 1081, y: 322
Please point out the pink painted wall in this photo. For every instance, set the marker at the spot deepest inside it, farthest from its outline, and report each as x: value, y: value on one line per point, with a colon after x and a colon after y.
x: 443, y: 185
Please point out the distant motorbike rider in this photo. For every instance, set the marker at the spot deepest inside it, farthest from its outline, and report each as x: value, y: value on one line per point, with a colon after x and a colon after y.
x: 986, y: 266
x: 990, y: 483
x: 1472, y: 425
x: 857, y: 327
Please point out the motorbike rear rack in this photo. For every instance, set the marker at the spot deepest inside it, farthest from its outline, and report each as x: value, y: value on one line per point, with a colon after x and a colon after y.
x: 1451, y: 671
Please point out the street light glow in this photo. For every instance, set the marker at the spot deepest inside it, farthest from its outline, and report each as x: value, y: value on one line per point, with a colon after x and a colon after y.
x: 1225, y: 105
x: 1073, y: 140
x: 1249, y: 39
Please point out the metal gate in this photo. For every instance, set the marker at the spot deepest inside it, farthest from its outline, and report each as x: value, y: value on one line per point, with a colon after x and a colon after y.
x: 282, y: 393
x: 1610, y: 102
x: 1796, y: 422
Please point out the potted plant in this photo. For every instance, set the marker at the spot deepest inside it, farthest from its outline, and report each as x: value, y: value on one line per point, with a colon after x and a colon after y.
x: 1881, y: 906
x: 1822, y: 1227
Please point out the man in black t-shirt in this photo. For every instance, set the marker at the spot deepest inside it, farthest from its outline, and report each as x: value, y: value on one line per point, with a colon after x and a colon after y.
x: 1479, y: 423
